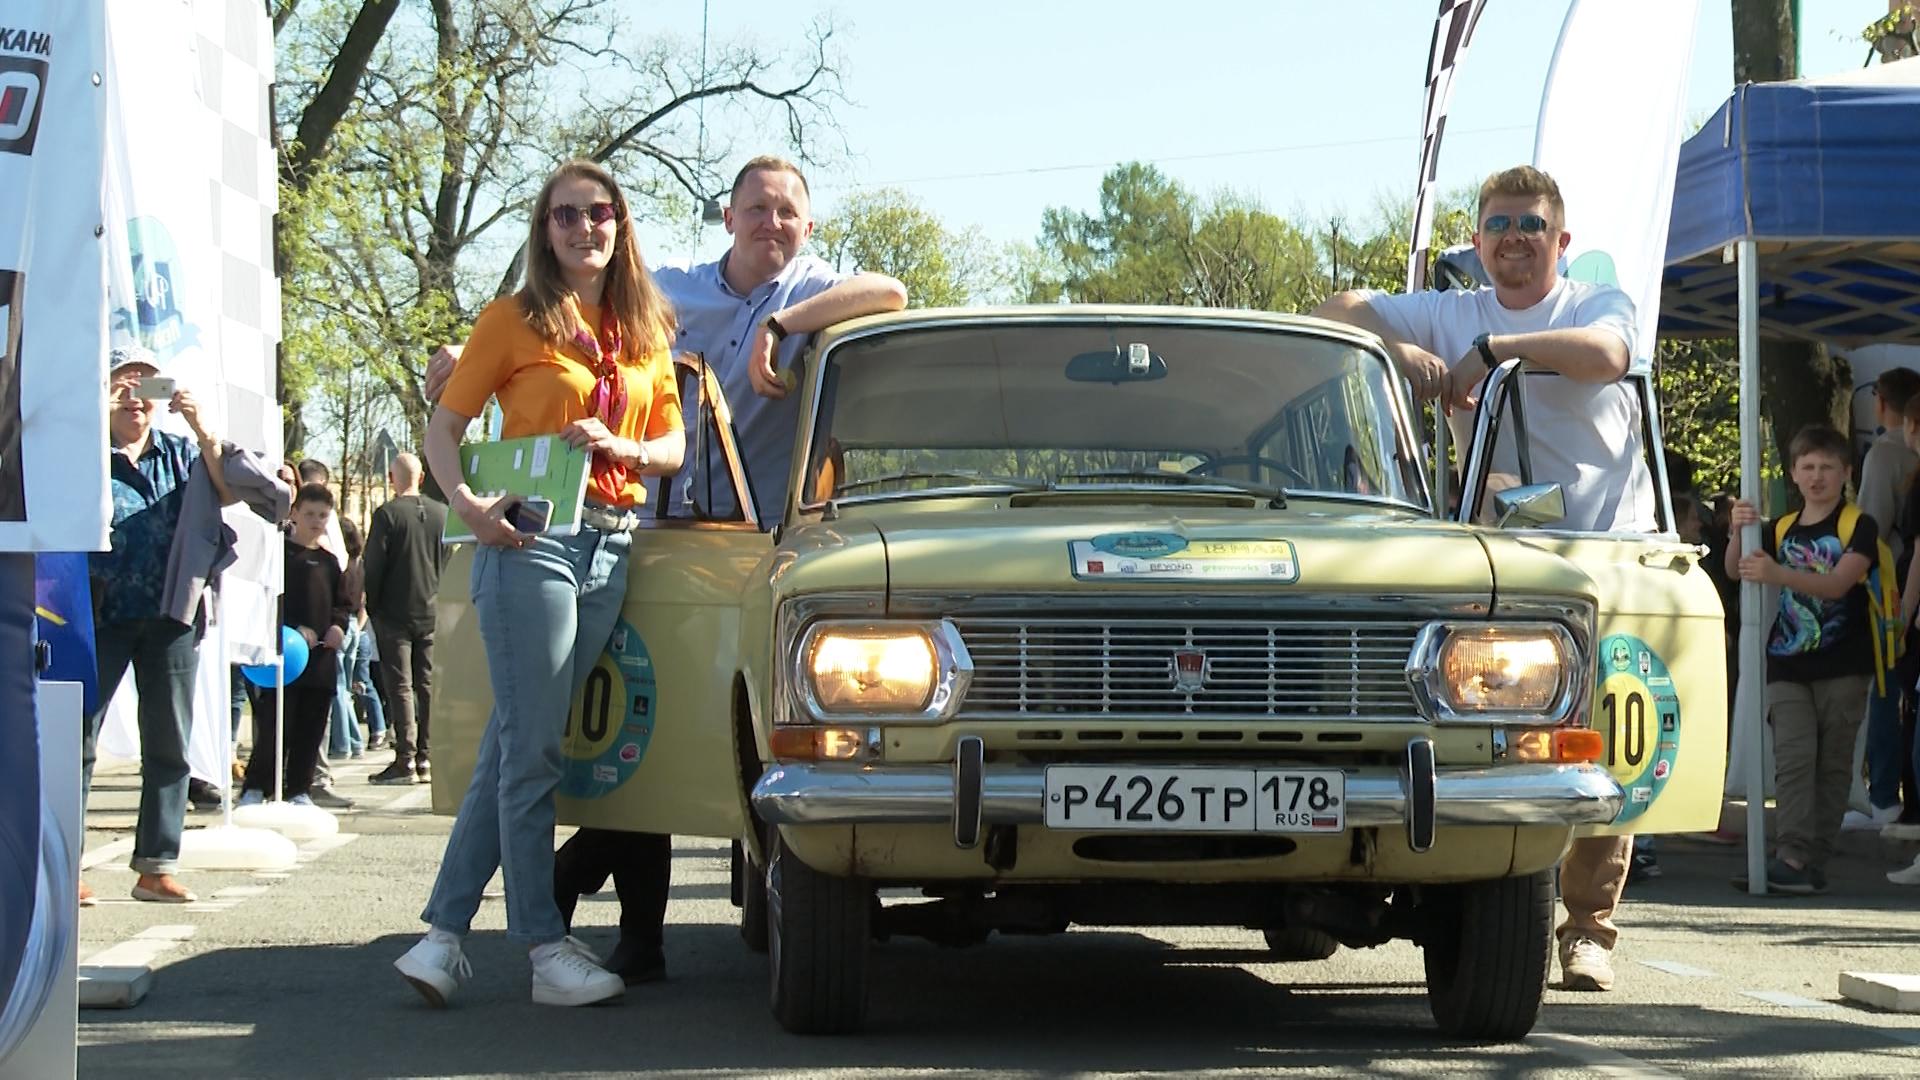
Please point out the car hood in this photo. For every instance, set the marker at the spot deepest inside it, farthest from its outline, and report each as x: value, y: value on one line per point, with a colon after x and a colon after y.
x: 1377, y: 554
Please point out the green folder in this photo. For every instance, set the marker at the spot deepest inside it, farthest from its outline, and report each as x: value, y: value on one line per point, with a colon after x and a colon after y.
x: 542, y: 465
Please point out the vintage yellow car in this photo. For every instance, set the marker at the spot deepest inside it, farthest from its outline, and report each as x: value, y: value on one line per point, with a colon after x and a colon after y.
x: 1136, y: 616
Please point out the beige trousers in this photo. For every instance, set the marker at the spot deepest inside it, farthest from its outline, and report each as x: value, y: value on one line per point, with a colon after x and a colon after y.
x: 1592, y: 876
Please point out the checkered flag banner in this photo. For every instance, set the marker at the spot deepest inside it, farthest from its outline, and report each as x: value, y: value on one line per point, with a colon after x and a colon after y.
x: 1452, y: 30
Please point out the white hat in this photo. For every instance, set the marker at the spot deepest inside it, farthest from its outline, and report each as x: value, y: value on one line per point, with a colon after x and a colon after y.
x: 129, y: 356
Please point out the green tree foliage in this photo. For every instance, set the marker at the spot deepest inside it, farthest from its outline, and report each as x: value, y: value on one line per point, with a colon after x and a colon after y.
x: 1699, y: 387
x: 888, y: 232
x: 1153, y: 242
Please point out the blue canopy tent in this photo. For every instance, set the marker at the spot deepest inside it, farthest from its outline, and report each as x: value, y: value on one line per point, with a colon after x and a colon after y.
x: 1796, y: 214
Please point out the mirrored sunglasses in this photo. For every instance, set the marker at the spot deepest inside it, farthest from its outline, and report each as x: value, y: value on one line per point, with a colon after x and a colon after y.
x: 568, y: 216
x: 1530, y: 224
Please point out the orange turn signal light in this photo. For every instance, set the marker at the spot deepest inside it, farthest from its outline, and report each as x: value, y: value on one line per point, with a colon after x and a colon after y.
x: 1578, y: 744
x: 815, y: 744
x: 791, y: 744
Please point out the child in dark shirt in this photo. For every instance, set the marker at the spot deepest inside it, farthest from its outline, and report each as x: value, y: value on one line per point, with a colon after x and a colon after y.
x: 315, y: 604
x: 1819, y: 654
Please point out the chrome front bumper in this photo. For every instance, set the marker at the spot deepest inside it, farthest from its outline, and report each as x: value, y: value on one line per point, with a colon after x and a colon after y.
x: 1507, y: 795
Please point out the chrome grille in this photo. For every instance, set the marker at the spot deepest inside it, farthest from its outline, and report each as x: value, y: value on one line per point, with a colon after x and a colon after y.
x: 1290, y: 669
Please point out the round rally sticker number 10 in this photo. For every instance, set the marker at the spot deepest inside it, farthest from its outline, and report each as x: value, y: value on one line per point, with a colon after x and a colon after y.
x: 611, y: 721
x: 1637, y: 708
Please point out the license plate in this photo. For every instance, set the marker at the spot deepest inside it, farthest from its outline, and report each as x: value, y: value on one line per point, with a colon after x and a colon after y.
x: 1205, y: 799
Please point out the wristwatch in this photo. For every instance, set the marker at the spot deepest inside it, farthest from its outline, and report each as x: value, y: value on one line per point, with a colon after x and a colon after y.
x: 644, y: 459
x: 1485, y: 350
x: 773, y: 327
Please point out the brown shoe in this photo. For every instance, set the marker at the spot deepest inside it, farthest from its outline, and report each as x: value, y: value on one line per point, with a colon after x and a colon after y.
x: 162, y: 889
x: 86, y: 896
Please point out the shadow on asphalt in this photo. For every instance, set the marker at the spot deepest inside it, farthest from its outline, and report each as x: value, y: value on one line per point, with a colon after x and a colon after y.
x: 1090, y: 1002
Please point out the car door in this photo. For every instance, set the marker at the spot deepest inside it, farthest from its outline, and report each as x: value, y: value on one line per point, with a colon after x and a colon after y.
x: 1660, y: 685
x: 649, y: 743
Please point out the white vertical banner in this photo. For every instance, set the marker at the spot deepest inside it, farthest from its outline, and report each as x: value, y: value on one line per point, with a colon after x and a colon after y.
x: 1611, y: 120
x: 53, y: 409
x: 163, y: 285
x: 191, y: 190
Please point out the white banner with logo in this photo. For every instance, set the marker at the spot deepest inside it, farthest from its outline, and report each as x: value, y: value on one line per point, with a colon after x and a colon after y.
x: 1611, y: 121
x: 53, y: 419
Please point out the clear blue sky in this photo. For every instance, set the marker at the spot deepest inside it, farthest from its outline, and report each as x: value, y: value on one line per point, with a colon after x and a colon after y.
x: 991, y: 111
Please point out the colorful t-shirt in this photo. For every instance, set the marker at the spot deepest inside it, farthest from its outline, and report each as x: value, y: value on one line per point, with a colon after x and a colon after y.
x: 1814, y: 638
x: 542, y: 388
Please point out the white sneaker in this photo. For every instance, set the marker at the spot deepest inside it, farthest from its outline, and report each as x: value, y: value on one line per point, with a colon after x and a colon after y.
x: 563, y: 976
x: 1909, y: 875
x: 435, y: 965
x: 1585, y: 964
x: 1882, y: 816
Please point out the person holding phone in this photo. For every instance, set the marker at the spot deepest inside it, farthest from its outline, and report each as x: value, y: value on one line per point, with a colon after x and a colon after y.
x: 580, y: 351
x: 149, y: 471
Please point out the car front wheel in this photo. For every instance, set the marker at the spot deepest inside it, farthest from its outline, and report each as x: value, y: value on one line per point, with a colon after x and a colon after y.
x: 818, y: 927
x: 1488, y: 947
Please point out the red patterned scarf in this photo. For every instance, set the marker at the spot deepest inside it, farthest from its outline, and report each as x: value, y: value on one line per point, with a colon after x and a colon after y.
x: 608, y: 401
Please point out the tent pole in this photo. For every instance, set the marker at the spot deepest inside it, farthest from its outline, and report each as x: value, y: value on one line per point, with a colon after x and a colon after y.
x: 1750, y: 723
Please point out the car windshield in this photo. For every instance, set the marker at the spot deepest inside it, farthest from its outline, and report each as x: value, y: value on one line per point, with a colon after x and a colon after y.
x: 1022, y: 405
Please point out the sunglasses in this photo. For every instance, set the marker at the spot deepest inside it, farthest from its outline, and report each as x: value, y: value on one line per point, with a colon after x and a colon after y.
x: 1531, y: 224
x: 568, y: 216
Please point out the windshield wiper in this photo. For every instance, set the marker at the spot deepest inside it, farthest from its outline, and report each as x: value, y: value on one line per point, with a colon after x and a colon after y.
x: 1276, y: 497
x: 1019, y: 483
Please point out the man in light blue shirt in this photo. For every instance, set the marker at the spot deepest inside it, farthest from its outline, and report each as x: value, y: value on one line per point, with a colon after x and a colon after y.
x: 749, y: 313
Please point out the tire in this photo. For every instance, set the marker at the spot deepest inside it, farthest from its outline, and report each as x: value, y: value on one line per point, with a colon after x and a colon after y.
x: 1488, y: 948
x: 752, y: 881
x: 818, y: 928
x: 1301, y: 943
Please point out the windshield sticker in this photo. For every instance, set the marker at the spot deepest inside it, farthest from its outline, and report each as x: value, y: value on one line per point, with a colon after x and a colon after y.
x: 1141, y: 545
x: 611, y: 721
x: 1638, y: 711
x: 1198, y: 560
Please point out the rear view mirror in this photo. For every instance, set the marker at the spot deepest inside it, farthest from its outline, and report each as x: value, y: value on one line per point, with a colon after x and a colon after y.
x: 1133, y: 362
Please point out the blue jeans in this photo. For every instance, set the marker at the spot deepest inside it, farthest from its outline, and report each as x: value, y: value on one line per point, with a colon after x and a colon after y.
x: 163, y: 654
x: 368, y: 699
x: 1886, y: 746
x: 344, y: 729
x: 546, y: 612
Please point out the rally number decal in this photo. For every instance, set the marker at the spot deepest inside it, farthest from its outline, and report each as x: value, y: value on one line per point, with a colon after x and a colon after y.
x: 611, y: 719
x: 1637, y: 708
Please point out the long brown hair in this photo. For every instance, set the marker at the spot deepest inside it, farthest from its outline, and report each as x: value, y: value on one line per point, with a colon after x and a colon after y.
x: 646, y: 319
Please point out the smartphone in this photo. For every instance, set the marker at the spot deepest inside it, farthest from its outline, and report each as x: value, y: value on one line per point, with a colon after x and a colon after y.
x: 530, y: 515
x: 155, y: 387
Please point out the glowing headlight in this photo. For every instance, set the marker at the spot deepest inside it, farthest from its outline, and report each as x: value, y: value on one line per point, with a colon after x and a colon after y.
x: 1490, y: 670
x: 871, y: 670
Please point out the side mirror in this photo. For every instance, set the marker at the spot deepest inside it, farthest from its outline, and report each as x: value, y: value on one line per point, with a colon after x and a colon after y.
x: 1529, y: 505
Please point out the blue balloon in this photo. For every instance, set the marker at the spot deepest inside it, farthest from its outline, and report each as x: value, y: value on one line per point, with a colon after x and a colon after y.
x: 293, y: 653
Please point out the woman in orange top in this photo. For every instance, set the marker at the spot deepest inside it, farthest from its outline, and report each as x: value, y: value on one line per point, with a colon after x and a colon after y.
x: 581, y: 352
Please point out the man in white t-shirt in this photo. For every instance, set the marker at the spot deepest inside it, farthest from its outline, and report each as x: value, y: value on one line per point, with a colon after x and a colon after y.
x: 1583, y: 432
x: 1584, y: 426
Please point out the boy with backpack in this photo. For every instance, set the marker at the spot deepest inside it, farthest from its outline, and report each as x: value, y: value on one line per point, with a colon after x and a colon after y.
x: 1822, y: 655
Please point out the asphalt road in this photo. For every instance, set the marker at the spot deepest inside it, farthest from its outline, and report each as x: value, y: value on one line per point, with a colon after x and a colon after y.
x: 289, y: 976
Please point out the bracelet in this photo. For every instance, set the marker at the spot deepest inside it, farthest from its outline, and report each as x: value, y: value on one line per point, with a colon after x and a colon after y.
x: 773, y: 327
x: 644, y: 459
